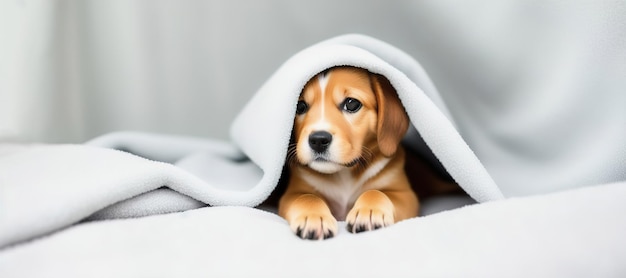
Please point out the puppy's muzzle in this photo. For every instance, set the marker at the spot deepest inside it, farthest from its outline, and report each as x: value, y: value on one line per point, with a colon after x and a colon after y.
x: 320, y: 140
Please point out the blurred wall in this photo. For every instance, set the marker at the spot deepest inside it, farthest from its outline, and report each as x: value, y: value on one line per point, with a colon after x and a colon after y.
x: 77, y: 69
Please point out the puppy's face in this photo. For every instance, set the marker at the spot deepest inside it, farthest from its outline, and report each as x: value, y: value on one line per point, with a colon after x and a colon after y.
x: 344, y: 116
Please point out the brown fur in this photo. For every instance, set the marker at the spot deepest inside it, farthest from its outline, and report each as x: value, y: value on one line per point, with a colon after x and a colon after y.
x: 362, y: 178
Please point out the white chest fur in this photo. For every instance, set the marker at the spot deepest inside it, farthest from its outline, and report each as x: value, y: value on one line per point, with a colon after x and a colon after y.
x: 342, y: 189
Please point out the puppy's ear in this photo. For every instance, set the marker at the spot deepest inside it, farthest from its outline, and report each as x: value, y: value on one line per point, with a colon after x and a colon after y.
x: 393, y: 121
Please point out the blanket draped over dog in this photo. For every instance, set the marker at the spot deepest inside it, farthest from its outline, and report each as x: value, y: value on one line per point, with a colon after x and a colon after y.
x: 44, y: 189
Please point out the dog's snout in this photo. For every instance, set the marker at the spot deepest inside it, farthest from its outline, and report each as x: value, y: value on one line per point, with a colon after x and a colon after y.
x: 320, y: 140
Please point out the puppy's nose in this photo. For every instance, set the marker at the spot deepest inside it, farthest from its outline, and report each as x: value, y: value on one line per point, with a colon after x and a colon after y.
x: 320, y: 140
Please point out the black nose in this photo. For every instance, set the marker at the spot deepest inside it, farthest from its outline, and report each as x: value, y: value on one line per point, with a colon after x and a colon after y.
x: 320, y: 140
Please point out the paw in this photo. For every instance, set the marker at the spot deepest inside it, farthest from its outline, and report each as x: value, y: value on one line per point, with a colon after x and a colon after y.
x: 368, y: 219
x: 314, y: 226
x: 372, y: 211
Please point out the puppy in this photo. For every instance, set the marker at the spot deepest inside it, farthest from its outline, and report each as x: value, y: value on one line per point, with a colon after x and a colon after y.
x: 345, y: 160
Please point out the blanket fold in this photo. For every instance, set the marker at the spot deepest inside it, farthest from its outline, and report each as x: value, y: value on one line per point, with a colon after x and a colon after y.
x: 51, y: 187
x: 426, y: 110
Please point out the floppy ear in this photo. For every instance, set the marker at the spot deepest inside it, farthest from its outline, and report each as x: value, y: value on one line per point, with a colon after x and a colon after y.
x: 393, y: 121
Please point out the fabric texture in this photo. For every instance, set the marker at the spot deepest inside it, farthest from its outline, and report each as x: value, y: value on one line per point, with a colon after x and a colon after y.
x: 219, y: 173
x: 50, y: 188
x: 577, y: 233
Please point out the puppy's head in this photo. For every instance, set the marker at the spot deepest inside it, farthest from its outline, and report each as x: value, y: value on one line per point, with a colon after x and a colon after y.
x: 346, y: 116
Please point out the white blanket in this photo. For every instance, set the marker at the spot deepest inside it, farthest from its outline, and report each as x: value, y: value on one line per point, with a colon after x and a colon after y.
x: 44, y: 189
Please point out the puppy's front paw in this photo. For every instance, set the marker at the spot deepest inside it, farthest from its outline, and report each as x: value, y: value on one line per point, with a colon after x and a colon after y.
x: 314, y: 225
x: 372, y: 210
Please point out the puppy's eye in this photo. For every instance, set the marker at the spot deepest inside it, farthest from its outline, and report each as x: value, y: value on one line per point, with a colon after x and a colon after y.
x: 351, y: 105
x: 302, y: 107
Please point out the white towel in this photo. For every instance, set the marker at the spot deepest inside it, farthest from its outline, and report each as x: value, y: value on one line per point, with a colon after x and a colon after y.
x: 55, y: 186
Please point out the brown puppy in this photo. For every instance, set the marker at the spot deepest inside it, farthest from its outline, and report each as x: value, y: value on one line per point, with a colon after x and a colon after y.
x: 346, y: 162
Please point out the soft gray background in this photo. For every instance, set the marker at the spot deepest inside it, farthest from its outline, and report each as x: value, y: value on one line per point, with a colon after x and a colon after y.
x: 538, y: 84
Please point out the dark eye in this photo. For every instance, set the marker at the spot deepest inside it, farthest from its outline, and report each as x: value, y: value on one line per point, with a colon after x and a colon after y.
x: 302, y: 107
x: 351, y: 105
